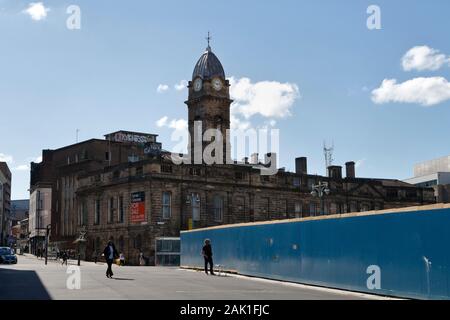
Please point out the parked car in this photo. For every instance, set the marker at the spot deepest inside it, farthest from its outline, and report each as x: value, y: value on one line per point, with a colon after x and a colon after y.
x: 7, y: 255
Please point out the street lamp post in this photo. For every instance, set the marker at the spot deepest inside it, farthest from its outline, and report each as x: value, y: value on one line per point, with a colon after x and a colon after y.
x: 320, y: 190
x: 47, y: 237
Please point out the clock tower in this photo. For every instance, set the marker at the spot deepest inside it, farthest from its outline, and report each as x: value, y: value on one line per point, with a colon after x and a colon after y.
x: 208, y: 106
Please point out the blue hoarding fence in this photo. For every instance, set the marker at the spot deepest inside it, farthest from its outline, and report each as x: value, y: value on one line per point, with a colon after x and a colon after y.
x: 403, y: 253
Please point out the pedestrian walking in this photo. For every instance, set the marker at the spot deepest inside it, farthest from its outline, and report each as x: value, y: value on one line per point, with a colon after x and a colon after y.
x: 38, y: 253
x: 110, y: 253
x: 122, y: 259
x: 207, y: 255
x: 64, y: 257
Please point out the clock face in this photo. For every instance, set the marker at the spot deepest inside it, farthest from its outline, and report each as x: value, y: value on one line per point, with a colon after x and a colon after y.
x: 198, y: 84
x: 217, y: 84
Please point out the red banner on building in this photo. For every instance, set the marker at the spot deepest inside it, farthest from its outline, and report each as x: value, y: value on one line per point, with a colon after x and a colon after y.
x: 138, y: 207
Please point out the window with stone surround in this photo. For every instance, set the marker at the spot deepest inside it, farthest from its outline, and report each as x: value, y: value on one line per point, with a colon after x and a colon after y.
x: 97, y: 206
x: 165, y: 168
x: 284, y: 208
x: 195, y: 171
x: 166, y: 205
x: 298, y: 209
x: 121, y: 210
x: 111, y: 210
x: 312, y: 209
x: 195, y: 207
x: 218, y: 208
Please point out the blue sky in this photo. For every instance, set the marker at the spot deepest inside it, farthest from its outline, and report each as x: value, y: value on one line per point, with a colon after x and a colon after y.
x: 104, y: 77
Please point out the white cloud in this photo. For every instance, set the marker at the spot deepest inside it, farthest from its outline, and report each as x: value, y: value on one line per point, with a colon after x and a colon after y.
x: 175, y: 124
x: 422, y: 58
x: 266, y: 98
x: 360, y: 163
x: 37, y: 11
x: 424, y: 91
x: 239, y: 124
x: 162, y: 88
x: 180, y: 133
x: 181, y: 86
x: 162, y: 122
x: 38, y: 159
x: 23, y: 167
x: 6, y: 158
x: 178, y: 125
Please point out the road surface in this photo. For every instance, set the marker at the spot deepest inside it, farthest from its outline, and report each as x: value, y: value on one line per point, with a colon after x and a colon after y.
x: 31, y: 279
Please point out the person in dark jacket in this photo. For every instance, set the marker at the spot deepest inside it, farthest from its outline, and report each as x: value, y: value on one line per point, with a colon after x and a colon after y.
x: 207, y: 255
x: 110, y: 253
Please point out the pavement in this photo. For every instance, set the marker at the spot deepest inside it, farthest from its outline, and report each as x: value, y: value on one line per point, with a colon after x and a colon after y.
x: 31, y: 279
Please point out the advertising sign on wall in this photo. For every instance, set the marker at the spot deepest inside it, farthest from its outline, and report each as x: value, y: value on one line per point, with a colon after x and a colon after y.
x: 138, y: 207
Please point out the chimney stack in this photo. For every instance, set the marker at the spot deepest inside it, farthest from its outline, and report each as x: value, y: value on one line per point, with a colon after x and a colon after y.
x: 270, y: 159
x: 254, y: 158
x: 301, y: 165
x: 335, y: 172
x: 350, y: 169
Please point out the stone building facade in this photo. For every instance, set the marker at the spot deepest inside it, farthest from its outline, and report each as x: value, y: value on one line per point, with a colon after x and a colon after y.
x: 181, y: 197
x: 5, y: 203
x: 137, y: 194
x: 60, y: 168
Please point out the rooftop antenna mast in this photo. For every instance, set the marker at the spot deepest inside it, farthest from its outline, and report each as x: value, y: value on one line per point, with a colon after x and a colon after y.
x: 328, y: 153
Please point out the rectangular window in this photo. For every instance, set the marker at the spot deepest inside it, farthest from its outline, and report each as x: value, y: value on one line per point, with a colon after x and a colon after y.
x: 312, y: 209
x: 111, y: 210
x: 97, y: 212
x: 218, y: 209
x: 296, y: 182
x: 311, y: 183
x: 265, y: 204
x: 107, y: 156
x: 167, y: 205
x: 240, y: 208
x: 239, y: 175
x: 139, y: 171
x: 195, y: 171
x: 121, y: 210
x: 84, y: 214
x: 298, y: 209
x: 166, y: 168
x: 196, y: 207
x: 284, y: 208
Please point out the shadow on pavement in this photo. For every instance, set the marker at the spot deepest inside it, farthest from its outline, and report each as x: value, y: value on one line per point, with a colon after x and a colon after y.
x: 124, y: 279
x: 21, y: 285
